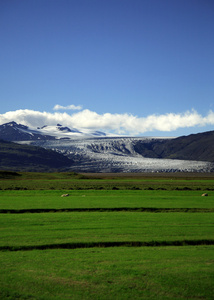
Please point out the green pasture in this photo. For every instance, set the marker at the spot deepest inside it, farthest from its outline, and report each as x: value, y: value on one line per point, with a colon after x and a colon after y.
x: 93, y: 227
x: 109, y: 273
x: 34, y: 199
x: 35, y: 265
x: 73, y: 181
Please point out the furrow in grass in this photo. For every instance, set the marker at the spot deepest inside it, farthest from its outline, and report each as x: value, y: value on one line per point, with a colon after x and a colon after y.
x: 109, y: 244
x: 115, y: 209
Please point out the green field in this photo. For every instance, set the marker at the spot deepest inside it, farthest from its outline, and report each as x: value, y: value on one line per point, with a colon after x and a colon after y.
x: 129, y: 181
x: 109, y: 273
x: 131, y: 237
x: 104, y: 199
x: 93, y: 227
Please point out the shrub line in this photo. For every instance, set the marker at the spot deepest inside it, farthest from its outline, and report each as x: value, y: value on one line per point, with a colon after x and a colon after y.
x: 128, y: 209
x: 109, y: 244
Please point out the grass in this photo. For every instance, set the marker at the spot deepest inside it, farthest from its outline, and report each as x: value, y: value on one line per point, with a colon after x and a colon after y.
x: 70, y: 254
x: 73, y: 181
x: 34, y: 199
x: 109, y: 273
x: 93, y: 227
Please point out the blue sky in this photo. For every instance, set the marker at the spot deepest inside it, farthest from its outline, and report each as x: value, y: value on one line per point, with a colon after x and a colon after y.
x: 140, y: 67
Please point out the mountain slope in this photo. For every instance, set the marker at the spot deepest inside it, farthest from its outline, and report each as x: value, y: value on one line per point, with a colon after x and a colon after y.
x: 194, y: 147
x: 30, y: 158
x: 17, y: 132
x: 198, y: 146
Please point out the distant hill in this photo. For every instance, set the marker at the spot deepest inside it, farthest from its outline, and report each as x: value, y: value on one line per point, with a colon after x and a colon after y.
x: 198, y: 146
x: 30, y: 158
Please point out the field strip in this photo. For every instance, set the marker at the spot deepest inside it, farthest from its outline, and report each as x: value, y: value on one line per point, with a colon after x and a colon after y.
x: 115, y: 209
x: 109, y: 244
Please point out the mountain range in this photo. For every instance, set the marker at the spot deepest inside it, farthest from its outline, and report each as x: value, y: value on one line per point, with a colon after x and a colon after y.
x: 89, y: 151
x: 17, y: 132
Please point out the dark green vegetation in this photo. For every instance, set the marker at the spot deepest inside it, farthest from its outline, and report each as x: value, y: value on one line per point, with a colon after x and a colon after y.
x: 198, y: 146
x: 30, y: 158
x: 130, y: 236
x: 108, y: 181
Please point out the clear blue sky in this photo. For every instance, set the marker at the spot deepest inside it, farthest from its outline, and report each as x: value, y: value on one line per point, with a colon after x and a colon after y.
x: 135, y: 57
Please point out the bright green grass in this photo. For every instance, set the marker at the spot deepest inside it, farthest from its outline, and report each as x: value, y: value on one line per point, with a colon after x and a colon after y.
x: 108, y: 273
x: 104, y: 199
x: 105, y: 273
x: 84, y: 227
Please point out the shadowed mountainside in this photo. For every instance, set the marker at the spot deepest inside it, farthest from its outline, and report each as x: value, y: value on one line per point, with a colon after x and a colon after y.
x: 198, y: 146
x: 30, y: 158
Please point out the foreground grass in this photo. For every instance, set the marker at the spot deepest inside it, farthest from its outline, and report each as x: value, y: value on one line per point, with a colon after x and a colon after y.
x: 112, y: 273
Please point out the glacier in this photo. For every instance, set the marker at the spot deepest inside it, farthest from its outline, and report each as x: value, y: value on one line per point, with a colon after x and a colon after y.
x: 116, y: 154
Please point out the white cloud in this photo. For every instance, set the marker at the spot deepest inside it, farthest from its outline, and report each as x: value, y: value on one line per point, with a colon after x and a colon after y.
x: 69, y: 107
x: 114, y: 123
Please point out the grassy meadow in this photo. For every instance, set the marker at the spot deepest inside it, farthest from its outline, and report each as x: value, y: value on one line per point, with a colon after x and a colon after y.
x: 116, y: 236
x: 109, y: 273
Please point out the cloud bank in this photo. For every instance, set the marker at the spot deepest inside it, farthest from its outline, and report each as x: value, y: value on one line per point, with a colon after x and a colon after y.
x: 110, y: 123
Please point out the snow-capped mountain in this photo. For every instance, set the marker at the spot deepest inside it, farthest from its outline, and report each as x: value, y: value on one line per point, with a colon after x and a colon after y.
x: 95, y: 152
x: 17, y: 132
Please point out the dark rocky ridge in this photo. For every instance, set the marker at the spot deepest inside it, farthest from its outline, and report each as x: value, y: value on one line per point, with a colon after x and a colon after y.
x: 30, y: 158
x: 192, y: 147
